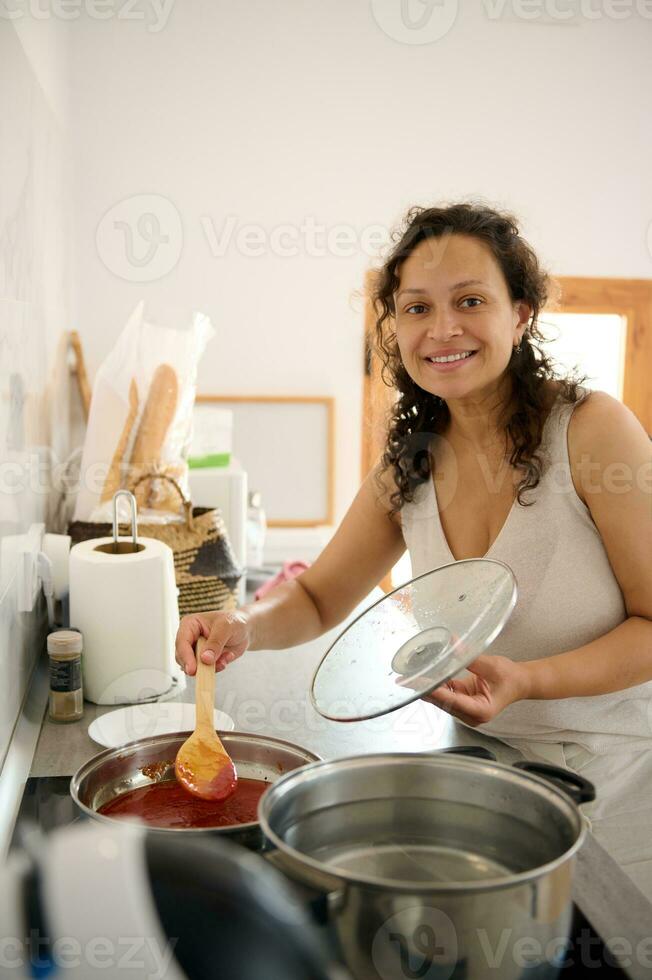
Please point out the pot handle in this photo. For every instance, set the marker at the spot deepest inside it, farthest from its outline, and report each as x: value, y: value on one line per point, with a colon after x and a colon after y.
x: 579, y: 789
x: 476, y: 751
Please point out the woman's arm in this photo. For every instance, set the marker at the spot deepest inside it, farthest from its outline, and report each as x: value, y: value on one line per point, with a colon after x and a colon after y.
x: 619, y: 659
x: 611, y: 464
x: 365, y: 547
x: 612, y: 472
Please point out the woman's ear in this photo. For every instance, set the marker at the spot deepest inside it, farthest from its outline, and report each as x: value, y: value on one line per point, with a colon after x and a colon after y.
x: 522, y: 314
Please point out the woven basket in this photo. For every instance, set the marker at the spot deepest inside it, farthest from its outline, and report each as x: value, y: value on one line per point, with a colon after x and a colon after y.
x: 206, y: 571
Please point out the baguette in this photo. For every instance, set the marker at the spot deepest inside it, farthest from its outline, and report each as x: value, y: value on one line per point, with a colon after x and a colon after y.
x: 158, y: 413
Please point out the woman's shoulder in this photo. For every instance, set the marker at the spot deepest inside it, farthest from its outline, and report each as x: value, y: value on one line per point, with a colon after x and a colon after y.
x: 588, y: 409
x: 598, y: 418
x: 602, y: 433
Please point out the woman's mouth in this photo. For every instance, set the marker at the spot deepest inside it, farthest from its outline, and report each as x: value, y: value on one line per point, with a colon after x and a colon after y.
x: 449, y: 362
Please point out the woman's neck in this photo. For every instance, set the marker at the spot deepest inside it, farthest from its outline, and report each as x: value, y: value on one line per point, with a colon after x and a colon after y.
x: 476, y: 421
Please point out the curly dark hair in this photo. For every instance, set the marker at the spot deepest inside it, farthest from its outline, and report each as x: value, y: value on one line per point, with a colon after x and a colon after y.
x: 416, y: 415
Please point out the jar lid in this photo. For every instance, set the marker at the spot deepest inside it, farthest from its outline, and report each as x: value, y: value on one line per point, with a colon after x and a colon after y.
x: 65, y: 641
x: 414, y: 639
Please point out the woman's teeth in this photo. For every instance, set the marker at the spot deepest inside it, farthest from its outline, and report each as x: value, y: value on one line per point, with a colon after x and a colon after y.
x: 451, y: 357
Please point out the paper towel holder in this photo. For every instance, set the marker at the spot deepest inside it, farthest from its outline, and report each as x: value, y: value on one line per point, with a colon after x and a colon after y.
x: 128, y: 658
x: 117, y: 547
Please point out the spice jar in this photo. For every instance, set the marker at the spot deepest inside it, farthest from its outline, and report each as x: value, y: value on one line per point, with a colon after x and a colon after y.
x: 66, y: 696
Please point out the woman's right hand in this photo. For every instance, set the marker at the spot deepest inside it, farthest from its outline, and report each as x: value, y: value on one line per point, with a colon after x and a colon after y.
x: 228, y: 634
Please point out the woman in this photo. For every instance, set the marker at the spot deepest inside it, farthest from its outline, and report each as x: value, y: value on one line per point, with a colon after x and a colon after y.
x: 490, y: 454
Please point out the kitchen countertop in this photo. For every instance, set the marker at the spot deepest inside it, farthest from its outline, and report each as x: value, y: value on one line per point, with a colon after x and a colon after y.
x: 266, y: 692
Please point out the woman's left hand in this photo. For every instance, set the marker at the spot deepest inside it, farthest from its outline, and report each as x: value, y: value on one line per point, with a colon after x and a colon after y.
x: 495, y: 683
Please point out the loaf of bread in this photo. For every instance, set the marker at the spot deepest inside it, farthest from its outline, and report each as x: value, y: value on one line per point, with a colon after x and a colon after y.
x: 157, y: 416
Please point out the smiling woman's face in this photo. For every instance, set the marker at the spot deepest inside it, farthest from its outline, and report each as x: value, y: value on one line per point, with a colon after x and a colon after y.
x: 453, y: 299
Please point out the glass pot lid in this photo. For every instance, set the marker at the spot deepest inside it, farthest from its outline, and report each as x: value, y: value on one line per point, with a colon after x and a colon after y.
x: 414, y: 639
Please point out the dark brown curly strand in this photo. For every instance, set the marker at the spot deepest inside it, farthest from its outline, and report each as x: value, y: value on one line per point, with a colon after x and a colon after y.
x: 417, y: 416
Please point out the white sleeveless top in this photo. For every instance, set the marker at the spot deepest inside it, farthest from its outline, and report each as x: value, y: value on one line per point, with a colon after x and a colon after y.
x: 567, y: 596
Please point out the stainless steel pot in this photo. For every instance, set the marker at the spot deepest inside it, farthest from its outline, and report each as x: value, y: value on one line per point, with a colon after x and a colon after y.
x: 433, y: 866
x: 149, y: 760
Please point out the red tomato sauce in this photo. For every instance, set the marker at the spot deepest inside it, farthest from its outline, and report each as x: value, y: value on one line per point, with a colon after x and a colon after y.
x: 168, y: 804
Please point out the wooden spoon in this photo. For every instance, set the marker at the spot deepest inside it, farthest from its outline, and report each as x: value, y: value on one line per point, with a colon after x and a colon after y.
x: 203, y: 766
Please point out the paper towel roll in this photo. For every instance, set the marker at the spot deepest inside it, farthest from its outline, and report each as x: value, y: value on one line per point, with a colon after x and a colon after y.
x: 126, y: 607
x: 57, y: 548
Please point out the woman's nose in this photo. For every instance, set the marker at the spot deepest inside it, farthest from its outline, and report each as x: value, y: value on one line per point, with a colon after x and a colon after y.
x: 442, y: 325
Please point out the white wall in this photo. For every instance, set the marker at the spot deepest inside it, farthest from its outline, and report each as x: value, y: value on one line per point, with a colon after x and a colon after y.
x: 35, y: 247
x: 278, y: 112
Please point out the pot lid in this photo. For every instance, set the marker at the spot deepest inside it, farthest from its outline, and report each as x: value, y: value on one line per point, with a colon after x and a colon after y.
x: 414, y: 639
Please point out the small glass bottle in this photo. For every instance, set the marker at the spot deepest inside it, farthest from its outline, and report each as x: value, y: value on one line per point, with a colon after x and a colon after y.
x: 66, y: 695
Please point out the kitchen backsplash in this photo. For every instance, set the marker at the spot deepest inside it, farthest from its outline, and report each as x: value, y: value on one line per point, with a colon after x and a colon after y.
x: 35, y: 312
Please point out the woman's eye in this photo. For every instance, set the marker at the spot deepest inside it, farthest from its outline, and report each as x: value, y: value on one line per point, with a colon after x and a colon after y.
x: 418, y: 308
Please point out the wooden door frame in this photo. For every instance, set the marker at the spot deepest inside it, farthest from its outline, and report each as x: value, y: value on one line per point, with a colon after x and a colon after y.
x: 376, y: 396
x: 631, y: 299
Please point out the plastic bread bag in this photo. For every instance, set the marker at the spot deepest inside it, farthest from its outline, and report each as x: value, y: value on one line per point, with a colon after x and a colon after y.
x: 140, y: 420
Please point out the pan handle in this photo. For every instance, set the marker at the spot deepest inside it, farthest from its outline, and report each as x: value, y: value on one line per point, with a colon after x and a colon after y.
x: 579, y: 789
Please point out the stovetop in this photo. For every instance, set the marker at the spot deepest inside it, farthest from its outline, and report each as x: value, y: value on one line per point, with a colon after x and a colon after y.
x: 47, y: 802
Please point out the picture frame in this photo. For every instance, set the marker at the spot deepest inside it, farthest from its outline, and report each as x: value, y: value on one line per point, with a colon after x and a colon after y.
x: 286, y: 444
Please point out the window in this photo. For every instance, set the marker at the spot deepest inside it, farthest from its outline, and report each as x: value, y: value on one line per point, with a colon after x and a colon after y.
x: 594, y: 343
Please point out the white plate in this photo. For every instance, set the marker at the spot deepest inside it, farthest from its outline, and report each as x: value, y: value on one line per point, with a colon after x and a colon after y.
x: 136, y: 721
